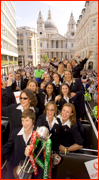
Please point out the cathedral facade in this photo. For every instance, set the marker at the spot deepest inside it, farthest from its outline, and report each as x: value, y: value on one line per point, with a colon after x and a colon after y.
x: 51, y: 42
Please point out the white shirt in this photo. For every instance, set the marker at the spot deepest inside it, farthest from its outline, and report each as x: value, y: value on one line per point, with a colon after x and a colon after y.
x: 46, y: 101
x: 66, y: 99
x: 57, y: 84
x: 53, y: 122
x: 22, y: 133
x: 66, y: 123
x: 21, y: 108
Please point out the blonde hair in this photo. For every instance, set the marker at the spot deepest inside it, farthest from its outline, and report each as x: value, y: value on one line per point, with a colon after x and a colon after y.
x: 34, y: 83
x: 68, y: 70
x: 58, y: 67
x: 73, y: 117
x: 49, y: 103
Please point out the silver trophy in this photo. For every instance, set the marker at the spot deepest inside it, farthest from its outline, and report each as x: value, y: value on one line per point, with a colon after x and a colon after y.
x: 24, y: 169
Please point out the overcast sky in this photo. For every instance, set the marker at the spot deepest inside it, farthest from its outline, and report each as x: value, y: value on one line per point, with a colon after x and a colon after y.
x: 27, y: 12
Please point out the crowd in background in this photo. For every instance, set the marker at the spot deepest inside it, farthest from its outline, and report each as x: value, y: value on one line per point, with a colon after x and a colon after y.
x: 55, y: 93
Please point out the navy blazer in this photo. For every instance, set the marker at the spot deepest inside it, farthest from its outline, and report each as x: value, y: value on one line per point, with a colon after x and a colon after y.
x: 78, y: 88
x: 14, y: 115
x: 41, y: 121
x: 17, y: 145
x: 70, y: 136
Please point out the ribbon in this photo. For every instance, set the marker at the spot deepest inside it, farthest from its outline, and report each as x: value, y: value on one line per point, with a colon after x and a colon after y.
x: 47, y: 159
x: 33, y: 144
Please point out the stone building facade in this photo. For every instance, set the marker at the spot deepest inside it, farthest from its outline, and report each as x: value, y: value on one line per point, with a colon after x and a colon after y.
x: 28, y: 46
x: 9, y: 49
x: 86, y: 37
x: 51, y: 42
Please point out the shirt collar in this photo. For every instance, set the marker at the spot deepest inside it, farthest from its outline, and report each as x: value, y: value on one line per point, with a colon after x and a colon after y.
x: 21, y: 108
x: 22, y: 133
x: 66, y: 123
x: 53, y: 122
x: 56, y: 84
x: 66, y: 99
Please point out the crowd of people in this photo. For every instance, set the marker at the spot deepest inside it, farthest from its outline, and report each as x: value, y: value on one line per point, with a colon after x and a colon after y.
x: 53, y: 97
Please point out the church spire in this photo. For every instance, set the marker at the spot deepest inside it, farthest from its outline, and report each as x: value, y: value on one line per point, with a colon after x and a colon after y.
x: 49, y: 14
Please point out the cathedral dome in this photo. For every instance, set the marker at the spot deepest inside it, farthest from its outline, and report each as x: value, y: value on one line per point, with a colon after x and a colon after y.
x: 50, y: 24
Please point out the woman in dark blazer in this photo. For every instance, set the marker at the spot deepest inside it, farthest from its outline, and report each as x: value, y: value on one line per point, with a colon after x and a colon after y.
x: 57, y: 83
x: 27, y: 101
x: 46, y: 96
x: 52, y: 123
x: 70, y: 137
x: 65, y: 97
x: 77, y: 89
x: 18, y: 141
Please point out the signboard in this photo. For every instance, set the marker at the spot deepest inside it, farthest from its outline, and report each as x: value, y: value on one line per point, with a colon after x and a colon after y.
x: 92, y: 168
x: 17, y: 96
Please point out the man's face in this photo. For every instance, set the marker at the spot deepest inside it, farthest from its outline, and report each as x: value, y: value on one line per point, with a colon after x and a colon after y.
x: 4, y: 84
x: 38, y: 67
x: 18, y: 77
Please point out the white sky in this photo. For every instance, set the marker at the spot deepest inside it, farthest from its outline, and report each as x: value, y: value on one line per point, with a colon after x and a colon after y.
x: 27, y: 12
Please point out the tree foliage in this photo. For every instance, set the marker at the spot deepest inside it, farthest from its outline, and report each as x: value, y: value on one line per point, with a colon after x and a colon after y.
x: 45, y: 57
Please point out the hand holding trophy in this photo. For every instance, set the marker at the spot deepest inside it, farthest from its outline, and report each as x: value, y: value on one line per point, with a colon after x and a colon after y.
x: 26, y: 168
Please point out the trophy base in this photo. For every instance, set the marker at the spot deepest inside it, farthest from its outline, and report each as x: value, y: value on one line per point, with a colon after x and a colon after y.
x: 19, y: 172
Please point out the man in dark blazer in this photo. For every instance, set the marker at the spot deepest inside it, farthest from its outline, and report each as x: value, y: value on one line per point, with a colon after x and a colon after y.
x: 19, y: 83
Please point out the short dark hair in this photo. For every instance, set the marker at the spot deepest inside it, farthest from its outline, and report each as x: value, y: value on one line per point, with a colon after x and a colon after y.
x: 29, y: 93
x: 28, y: 113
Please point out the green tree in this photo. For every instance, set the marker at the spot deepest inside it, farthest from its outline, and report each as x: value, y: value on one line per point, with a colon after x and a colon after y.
x: 45, y: 57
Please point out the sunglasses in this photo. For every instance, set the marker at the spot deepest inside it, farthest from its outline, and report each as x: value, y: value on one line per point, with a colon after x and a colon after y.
x: 50, y: 109
x: 25, y: 98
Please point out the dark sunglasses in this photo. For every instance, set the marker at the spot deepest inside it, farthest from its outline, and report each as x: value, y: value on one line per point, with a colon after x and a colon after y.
x: 25, y: 98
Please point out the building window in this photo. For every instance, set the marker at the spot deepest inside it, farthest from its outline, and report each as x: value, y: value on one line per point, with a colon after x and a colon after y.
x: 21, y: 41
x: 92, y: 40
x: 21, y: 34
x: 28, y: 42
x: 21, y: 49
x: 72, y: 25
x: 40, y: 44
x: 65, y: 56
x: 94, y: 24
x: 66, y: 45
x: 29, y: 49
x: 52, y: 54
x: 71, y: 44
x: 71, y: 56
x: 47, y: 45
x: 41, y: 56
x: 56, y: 44
x: 40, y: 32
x: 72, y: 34
x: 18, y: 42
x: 18, y: 49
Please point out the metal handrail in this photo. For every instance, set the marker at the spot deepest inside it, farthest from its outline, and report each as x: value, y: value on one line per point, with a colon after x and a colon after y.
x: 92, y: 111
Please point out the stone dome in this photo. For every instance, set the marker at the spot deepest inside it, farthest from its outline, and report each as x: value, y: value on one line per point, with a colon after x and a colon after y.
x: 50, y: 24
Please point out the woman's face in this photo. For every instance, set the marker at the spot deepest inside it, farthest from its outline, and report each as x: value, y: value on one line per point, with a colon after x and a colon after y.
x: 42, y: 86
x: 66, y: 113
x: 25, y: 101
x: 69, y: 66
x: 68, y: 76
x: 50, y: 111
x: 49, y: 89
x: 56, y: 78
x: 61, y: 68
x: 73, y: 62
x: 47, y: 78
x: 65, y: 90
x: 27, y: 123
x: 32, y: 86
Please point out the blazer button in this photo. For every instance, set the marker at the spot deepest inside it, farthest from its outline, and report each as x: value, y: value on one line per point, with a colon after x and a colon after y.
x: 65, y: 129
x: 55, y: 130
